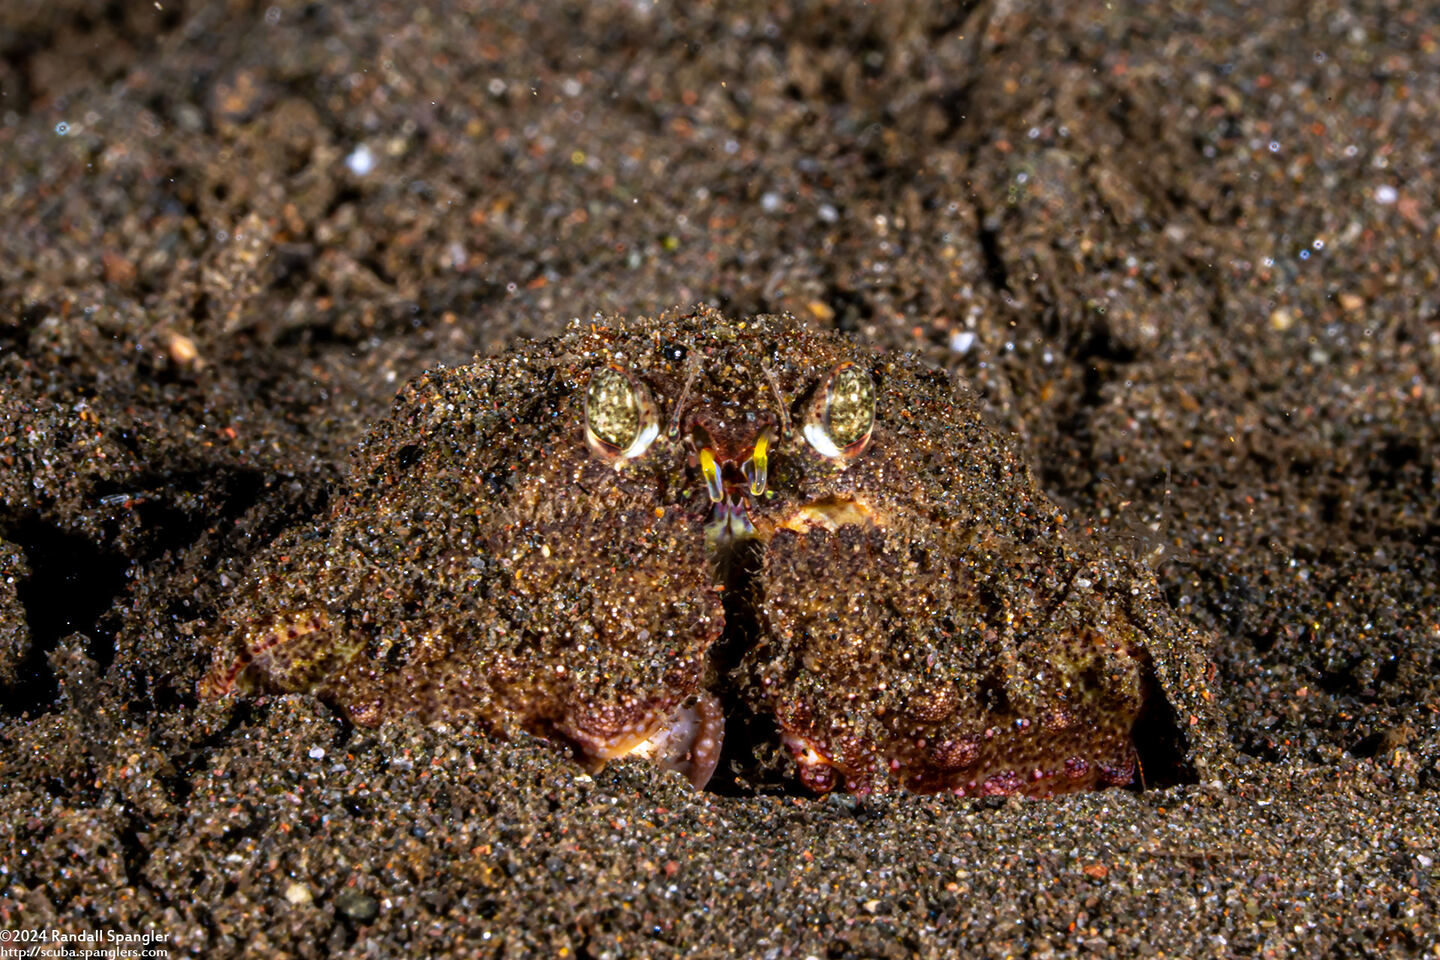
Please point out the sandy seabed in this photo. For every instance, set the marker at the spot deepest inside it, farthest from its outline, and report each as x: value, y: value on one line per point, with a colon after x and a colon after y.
x: 1186, y: 255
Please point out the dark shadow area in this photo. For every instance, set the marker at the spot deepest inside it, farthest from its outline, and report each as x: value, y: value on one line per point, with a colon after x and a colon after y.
x: 746, y: 765
x: 73, y: 583
x: 1160, y: 746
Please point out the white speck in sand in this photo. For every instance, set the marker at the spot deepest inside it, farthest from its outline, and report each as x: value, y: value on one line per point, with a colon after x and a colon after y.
x: 361, y: 160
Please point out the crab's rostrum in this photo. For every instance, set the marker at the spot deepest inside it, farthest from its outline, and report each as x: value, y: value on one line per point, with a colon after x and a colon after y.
x: 614, y: 538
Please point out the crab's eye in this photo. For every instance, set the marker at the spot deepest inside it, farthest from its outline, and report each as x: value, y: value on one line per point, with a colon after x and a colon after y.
x: 621, y: 420
x: 842, y: 415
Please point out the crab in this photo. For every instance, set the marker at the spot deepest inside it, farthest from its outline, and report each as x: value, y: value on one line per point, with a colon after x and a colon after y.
x: 617, y: 538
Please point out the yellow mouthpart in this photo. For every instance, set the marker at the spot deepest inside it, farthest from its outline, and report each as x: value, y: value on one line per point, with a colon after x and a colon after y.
x: 759, y: 465
x: 712, y: 475
x: 757, y: 468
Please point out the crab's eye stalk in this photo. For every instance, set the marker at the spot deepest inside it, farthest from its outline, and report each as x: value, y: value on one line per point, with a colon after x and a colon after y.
x: 621, y: 419
x: 842, y: 414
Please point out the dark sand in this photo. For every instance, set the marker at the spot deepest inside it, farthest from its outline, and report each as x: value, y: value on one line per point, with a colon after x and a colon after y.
x: 1188, y: 254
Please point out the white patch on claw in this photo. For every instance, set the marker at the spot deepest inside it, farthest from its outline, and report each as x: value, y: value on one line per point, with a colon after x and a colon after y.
x: 804, y: 751
x: 689, y: 741
x: 816, y: 770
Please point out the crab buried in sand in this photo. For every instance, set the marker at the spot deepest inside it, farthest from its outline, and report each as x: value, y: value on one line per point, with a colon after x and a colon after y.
x: 616, y: 538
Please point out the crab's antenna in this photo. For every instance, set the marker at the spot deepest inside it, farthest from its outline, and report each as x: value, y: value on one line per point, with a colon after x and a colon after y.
x: 779, y: 399
x: 690, y: 374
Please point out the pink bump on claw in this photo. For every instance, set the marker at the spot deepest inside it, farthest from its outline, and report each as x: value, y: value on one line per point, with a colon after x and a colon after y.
x: 1118, y: 775
x: 1002, y: 784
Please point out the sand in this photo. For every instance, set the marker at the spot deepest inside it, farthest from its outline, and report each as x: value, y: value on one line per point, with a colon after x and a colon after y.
x: 1187, y: 256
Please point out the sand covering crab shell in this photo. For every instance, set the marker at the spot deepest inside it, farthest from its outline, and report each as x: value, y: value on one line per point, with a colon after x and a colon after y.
x: 617, y: 538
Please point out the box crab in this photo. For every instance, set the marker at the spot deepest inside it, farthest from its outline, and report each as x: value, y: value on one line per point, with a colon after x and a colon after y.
x: 617, y: 537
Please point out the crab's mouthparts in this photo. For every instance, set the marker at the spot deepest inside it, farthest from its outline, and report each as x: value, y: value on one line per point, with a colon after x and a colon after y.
x: 723, y: 477
x: 731, y: 487
x: 729, y: 521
